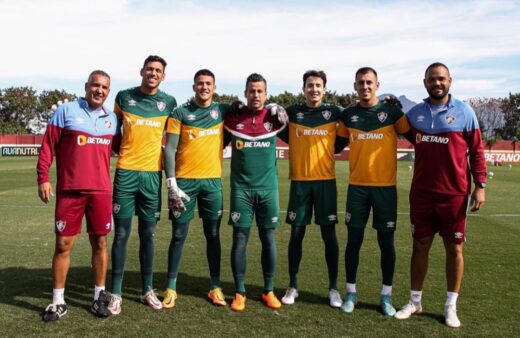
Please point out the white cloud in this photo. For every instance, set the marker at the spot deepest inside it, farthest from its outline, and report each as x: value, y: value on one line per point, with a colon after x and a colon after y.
x: 66, y: 39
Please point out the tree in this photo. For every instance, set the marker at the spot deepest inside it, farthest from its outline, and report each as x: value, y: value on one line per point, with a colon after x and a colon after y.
x: 511, y: 109
x: 23, y: 111
x: 286, y: 99
x: 489, y: 114
x: 17, y: 108
x: 44, y: 110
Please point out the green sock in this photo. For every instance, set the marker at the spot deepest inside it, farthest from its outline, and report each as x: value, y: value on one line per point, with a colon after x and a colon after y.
x: 213, y: 250
x: 146, y: 252
x: 179, y: 234
x: 268, y: 257
x: 239, y: 257
x: 123, y: 227
x: 328, y: 234
x: 295, y: 253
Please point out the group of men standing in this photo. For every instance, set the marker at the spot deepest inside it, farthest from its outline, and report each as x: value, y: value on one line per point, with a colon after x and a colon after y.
x: 81, y: 134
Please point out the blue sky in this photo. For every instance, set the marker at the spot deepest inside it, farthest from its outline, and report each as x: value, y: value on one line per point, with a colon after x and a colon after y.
x: 54, y: 44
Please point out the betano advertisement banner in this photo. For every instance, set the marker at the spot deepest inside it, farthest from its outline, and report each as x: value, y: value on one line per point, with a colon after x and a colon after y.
x: 29, y: 145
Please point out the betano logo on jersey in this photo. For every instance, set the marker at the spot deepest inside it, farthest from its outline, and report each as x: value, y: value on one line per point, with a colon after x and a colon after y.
x: 82, y: 140
x: 431, y: 139
x: 366, y: 136
x: 252, y: 144
x: 148, y: 123
x: 208, y: 132
x: 311, y: 132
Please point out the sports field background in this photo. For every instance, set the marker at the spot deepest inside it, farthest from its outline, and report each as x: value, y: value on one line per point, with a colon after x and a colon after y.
x: 488, y: 305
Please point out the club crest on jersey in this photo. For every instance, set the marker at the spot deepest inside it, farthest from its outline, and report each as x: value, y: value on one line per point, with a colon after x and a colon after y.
x: 300, y: 116
x: 161, y: 106
x: 132, y: 103
x: 450, y: 119
x: 108, y: 124
x: 60, y: 225
x: 235, y: 216
x: 326, y: 114
x: 354, y: 118
x: 115, y: 208
x: 381, y: 116
x: 268, y: 126
x: 292, y: 215
x: 214, y: 114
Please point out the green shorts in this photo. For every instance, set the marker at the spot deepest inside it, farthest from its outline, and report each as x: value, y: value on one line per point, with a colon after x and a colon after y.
x: 137, y: 192
x: 382, y: 200
x: 304, y: 195
x: 207, y: 193
x: 263, y: 204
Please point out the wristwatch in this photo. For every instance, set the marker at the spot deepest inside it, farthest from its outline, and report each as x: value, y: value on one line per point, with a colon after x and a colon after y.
x: 481, y: 185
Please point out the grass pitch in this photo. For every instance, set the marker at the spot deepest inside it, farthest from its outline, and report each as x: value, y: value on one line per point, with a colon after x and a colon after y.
x: 488, y: 305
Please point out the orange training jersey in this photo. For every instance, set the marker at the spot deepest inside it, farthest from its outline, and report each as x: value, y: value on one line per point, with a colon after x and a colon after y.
x: 372, y: 133
x: 312, y: 132
x: 143, y: 119
x: 200, y: 130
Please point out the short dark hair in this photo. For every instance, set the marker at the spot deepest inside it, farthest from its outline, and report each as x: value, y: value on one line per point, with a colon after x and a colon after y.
x: 255, y: 78
x: 204, y: 71
x: 154, y: 58
x: 317, y: 73
x: 435, y: 65
x: 365, y: 70
x: 98, y: 72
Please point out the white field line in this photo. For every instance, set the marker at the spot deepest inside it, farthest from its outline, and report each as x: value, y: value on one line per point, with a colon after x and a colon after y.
x: 18, y: 206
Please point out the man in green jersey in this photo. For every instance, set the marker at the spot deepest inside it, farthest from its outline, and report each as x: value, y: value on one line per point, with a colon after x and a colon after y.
x: 254, y: 187
x: 142, y: 111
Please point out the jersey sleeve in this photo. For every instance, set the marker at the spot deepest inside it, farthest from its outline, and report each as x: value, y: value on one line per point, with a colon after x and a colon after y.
x: 174, y: 122
x: 49, y: 143
x: 401, y: 125
x: 342, y: 130
x: 473, y: 136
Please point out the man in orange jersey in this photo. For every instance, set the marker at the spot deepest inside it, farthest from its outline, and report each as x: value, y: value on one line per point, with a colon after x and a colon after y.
x: 372, y: 128
x: 193, y: 167
x: 311, y: 135
x: 142, y: 111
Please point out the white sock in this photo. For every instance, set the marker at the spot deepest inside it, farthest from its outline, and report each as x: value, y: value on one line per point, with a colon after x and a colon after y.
x: 351, y: 287
x: 416, y: 296
x: 386, y: 290
x: 97, y: 290
x: 58, y: 296
x: 451, y: 298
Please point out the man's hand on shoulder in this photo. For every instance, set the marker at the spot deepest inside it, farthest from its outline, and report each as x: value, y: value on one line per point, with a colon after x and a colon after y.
x: 279, y: 111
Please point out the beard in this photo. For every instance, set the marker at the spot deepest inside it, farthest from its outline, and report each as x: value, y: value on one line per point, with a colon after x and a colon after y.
x: 434, y: 94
